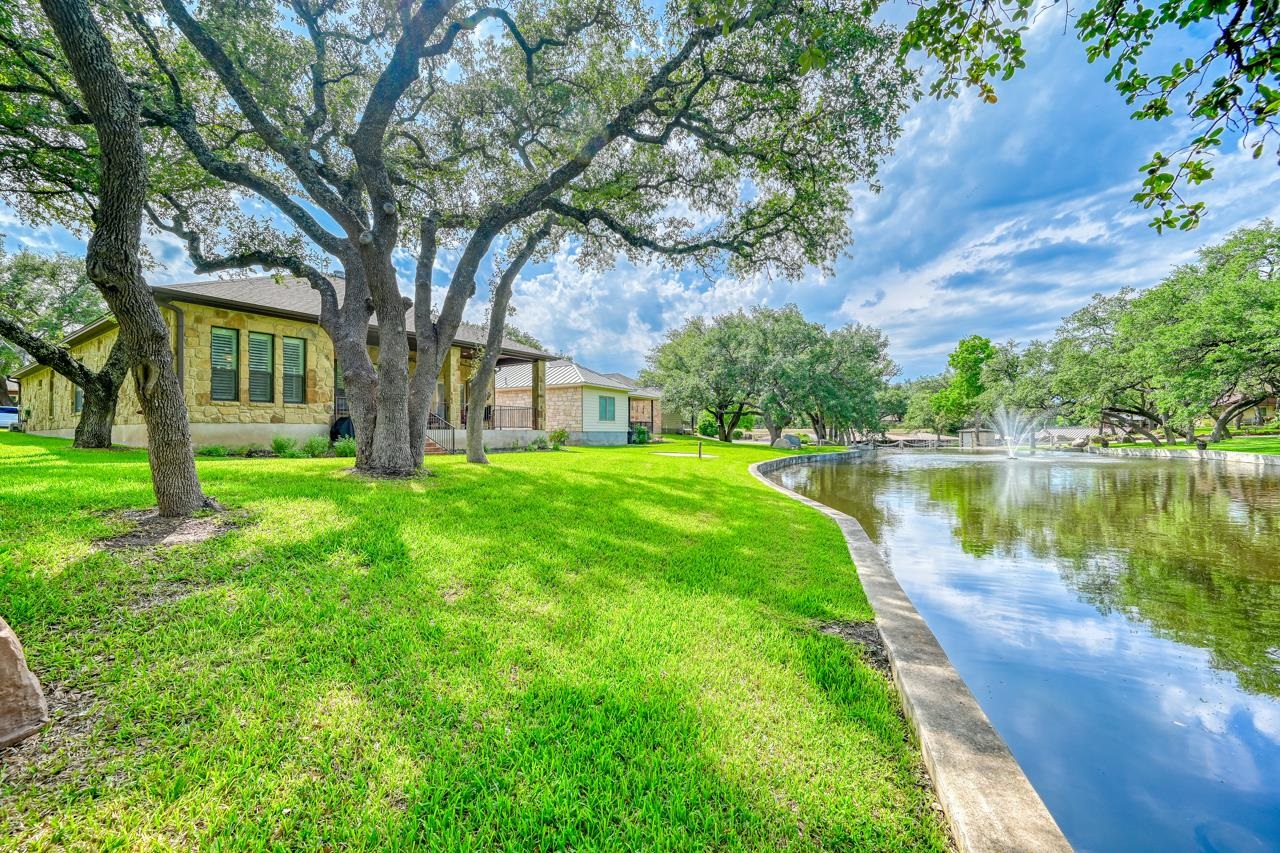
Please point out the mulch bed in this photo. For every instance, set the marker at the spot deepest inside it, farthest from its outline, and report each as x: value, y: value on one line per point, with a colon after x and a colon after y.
x: 152, y: 531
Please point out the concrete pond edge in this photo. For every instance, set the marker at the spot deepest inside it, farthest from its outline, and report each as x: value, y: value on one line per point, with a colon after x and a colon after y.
x: 1231, y: 457
x: 989, y: 803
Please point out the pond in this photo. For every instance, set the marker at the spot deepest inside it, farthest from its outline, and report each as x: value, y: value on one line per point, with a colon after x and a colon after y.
x: 1118, y: 620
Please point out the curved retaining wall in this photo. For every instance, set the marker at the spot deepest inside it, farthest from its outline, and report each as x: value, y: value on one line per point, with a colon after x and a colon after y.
x: 988, y: 800
x: 1232, y: 457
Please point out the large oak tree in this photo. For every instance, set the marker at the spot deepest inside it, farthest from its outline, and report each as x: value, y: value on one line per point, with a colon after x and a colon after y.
x: 356, y: 144
x: 113, y: 258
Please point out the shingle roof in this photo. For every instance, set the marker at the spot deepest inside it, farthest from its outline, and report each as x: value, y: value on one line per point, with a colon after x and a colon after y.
x: 567, y: 373
x: 294, y: 297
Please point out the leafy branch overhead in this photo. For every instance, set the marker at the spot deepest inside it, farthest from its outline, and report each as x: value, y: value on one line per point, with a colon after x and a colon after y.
x: 1228, y: 87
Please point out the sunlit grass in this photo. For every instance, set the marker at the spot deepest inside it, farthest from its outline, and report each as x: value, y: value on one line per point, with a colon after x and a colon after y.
x: 598, y: 648
x: 1243, y: 444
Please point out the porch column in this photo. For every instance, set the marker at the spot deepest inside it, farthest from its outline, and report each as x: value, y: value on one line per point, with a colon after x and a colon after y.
x: 538, y: 395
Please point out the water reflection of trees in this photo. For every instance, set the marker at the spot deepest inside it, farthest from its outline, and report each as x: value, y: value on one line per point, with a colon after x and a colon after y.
x: 1192, y: 552
x: 856, y: 496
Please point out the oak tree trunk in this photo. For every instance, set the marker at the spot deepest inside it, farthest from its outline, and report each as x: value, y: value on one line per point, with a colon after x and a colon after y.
x: 482, y: 379
x: 101, y: 392
x: 112, y: 260
x: 1222, y: 422
x: 97, y: 416
x: 775, y: 429
x: 477, y: 398
x: 100, y: 388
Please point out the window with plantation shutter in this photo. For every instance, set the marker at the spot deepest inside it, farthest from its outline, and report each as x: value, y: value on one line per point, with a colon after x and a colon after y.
x: 224, y: 377
x: 295, y: 370
x: 261, y: 362
x: 607, y: 410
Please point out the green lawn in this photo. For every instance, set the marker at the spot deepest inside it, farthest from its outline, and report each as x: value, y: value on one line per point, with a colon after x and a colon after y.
x: 1244, y: 444
x: 1250, y: 444
x: 589, y: 649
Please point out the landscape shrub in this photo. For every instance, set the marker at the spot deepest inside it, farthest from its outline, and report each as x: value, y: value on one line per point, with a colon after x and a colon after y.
x: 640, y: 435
x: 804, y: 438
x: 285, y: 447
x: 540, y: 443
x: 345, y: 447
x: 215, y: 450
x: 737, y: 433
x: 558, y: 438
x: 316, y: 445
x: 707, y: 425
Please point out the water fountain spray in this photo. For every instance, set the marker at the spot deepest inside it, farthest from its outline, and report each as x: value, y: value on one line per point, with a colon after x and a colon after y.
x: 1013, y: 427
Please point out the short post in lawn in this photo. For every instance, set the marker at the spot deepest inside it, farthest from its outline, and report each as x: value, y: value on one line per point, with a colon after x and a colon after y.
x: 699, y: 449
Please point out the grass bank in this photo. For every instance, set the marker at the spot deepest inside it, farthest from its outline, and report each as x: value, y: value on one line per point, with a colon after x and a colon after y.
x: 1244, y: 444
x: 597, y: 648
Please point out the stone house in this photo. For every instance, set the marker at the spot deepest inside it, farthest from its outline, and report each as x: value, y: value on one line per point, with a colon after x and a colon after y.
x: 594, y: 408
x: 255, y: 364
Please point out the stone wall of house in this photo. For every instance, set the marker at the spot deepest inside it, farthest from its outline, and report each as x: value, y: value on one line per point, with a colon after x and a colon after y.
x: 48, y: 399
x: 515, y: 397
x: 199, y: 321
x: 564, y: 409
x: 641, y: 411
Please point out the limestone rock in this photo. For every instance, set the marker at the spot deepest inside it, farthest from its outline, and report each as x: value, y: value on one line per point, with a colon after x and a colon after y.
x: 787, y: 442
x: 23, y: 711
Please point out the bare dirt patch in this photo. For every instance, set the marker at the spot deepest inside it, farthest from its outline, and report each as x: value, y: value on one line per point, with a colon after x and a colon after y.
x: 453, y: 594
x: 153, y: 531
x: 160, y: 594
x: 864, y: 635
x: 63, y: 750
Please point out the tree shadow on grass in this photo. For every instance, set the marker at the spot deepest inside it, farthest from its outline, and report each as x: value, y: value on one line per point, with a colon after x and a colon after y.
x: 489, y: 656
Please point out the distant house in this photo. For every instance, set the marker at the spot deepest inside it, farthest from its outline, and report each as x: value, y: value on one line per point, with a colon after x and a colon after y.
x: 645, y: 402
x: 594, y: 408
x: 255, y: 363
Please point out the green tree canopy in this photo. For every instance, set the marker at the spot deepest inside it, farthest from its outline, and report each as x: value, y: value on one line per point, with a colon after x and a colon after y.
x: 47, y: 295
x: 314, y: 136
x: 775, y: 364
x: 959, y: 401
x: 922, y: 410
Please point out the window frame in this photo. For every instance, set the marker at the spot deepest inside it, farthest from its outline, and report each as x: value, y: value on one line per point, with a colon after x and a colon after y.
x: 77, y: 399
x: 284, y: 371
x: 609, y: 404
x: 235, y: 350
x: 271, y: 366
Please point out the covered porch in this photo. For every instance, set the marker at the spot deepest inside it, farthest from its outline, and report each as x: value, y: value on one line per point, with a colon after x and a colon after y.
x: 505, y: 425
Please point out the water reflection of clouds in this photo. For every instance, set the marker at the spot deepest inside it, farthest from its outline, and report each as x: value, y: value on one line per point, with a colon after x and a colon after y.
x: 1136, y: 740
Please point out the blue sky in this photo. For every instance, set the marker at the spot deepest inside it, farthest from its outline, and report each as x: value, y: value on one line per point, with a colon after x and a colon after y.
x: 993, y: 219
